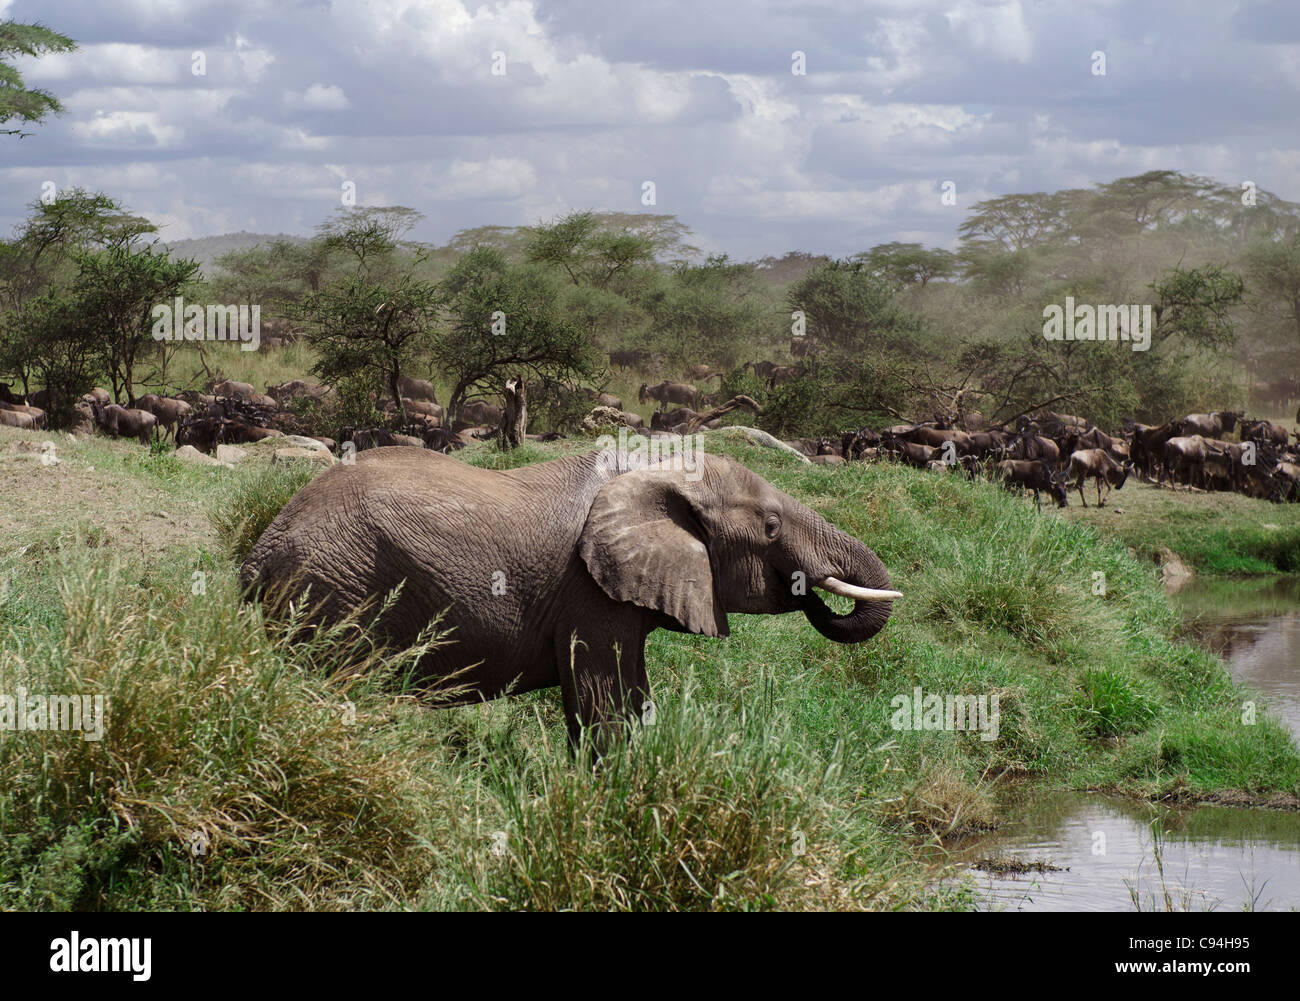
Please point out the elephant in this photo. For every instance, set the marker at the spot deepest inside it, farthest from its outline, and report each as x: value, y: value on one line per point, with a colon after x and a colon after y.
x: 122, y: 422
x: 555, y: 573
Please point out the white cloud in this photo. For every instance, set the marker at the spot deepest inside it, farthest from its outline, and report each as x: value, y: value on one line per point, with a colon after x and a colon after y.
x: 318, y: 97
x: 997, y: 26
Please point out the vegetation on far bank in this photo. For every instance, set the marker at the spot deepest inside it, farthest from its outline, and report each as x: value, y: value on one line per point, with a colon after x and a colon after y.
x: 771, y: 778
x: 1215, y: 534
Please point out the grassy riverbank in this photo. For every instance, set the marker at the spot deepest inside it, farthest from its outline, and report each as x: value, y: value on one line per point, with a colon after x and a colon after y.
x: 235, y: 772
x: 1213, y: 533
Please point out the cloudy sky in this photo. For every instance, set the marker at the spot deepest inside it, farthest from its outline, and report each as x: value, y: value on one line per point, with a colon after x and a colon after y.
x: 697, y: 96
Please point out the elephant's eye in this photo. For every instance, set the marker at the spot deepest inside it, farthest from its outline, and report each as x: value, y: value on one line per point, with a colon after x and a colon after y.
x: 772, y: 526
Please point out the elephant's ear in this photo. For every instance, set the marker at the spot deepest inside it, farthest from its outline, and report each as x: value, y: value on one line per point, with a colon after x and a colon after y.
x: 645, y: 542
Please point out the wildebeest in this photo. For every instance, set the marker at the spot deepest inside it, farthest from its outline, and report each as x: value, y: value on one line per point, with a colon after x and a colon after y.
x: 630, y: 358
x: 1035, y: 448
x: 168, y: 411
x: 23, y: 416
x: 1096, y: 463
x: 783, y: 374
x: 1185, y: 456
x: 1148, y: 447
x: 663, y: 420
x: 936, y: 437
x: 1033, y: 474
x: 125, y: 422
x: 670, y: 392
x: 1261, y: 431
x: 295, y: 389
x: 237, y: 390
x: 480, y: 412
x: 902, y: 450
x: 1211, y: 425
x: 417, y: 389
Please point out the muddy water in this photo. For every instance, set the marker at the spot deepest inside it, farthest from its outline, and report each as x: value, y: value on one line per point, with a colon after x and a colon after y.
x: 1108, y: 853
x: 1255, y: 627
x: 1098, y: 853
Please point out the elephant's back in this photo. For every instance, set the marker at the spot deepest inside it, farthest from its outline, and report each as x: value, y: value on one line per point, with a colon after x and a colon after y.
x: 482, y: 542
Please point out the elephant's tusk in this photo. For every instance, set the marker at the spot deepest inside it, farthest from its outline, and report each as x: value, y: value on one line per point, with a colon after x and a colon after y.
x: 836, y: 586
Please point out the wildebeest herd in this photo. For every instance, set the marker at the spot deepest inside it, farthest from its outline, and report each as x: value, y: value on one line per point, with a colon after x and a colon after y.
x: 1055, y: 453
x: 1043, y: 452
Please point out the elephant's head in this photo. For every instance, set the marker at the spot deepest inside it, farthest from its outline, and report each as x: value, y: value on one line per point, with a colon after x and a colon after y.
x: 696, y: 548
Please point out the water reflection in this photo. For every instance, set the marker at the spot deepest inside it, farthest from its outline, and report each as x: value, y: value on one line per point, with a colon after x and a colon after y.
x: 1105, y: 854
x: 1255, y: 627
x: 1115, y: 855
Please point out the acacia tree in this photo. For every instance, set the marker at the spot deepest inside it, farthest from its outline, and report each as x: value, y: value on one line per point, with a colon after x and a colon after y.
x: 370, y: 333
x: 17, y: 101
x: 1196, y: 303
x: 47, y: 254
x: 120, y: 286
x: 848, y: 308
x: 1273, y: 267
x: 374, y: 323
x: 906, y: 264
x: 504, y: 321
x: 588, y: 252
x: 706, y: 312
x: 370, y: 235
x: 65, y: 348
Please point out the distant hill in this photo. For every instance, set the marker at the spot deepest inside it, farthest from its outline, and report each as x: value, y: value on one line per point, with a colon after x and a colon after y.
x: 206, y: 249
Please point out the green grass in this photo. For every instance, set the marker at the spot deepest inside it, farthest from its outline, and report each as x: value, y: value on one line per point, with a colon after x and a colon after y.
x: 770, y: 778
x: 1219, y: 534
x: 250, y: 499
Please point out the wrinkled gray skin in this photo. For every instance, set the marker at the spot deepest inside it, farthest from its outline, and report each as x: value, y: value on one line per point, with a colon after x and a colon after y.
x: 589, y: 549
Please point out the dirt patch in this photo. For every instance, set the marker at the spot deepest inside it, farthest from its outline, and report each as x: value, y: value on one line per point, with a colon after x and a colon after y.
x: 128, y: 509
x: 1235, y: 797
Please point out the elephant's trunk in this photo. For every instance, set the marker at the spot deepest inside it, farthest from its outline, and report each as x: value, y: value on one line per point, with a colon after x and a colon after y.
x: 860, y: 576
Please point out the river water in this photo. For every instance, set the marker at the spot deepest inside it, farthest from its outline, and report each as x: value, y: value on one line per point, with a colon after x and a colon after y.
x: 1089, y: 852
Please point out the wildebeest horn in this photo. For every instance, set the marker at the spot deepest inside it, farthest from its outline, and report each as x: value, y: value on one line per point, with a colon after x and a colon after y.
x: 837, y: 586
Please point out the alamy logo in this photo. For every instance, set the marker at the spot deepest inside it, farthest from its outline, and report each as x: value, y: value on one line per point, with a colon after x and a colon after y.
x: 75, y: 954
x: 919, y: 711
x: 24, y: 711
x: 179, y: 322
x: 638, y: 452
x: 1098, y: 323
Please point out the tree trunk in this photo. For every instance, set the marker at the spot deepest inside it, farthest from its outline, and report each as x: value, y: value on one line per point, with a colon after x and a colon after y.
x: 394, y: 377
x: 515, y: 421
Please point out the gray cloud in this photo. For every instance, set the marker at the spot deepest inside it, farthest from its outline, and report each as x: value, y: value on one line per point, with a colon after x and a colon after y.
x: 400, y: 97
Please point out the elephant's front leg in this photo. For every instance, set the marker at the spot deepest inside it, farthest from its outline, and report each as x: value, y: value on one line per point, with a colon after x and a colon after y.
x: 602, y: 678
